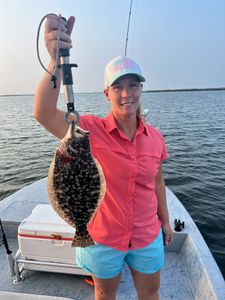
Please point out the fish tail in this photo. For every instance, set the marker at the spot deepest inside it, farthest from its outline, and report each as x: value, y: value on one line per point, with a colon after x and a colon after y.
x: 82, y: 239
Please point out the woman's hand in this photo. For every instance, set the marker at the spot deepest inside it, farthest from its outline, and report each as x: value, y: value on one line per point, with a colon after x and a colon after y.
x: 168, y: 234
x: 52, y: 25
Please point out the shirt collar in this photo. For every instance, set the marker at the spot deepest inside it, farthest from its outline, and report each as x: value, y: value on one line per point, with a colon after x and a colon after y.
x: 110, y: 124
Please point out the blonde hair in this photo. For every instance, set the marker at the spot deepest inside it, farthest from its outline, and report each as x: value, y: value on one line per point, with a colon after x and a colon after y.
x: 142, y: 113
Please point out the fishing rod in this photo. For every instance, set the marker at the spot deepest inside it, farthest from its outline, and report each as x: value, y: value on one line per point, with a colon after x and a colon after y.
x: 144, y: 112
x: 128, y: 27
x: 67, y: 78
x: 8, y: 251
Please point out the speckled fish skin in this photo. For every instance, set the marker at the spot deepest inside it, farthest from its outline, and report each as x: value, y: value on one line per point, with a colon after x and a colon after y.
x: 76, y: 183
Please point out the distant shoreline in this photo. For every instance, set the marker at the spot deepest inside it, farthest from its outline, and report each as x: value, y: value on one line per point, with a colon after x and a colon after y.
x: 145, y: 91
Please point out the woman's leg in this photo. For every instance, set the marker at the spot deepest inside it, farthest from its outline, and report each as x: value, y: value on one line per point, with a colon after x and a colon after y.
x: 105, y: 289
x: 147, y: 285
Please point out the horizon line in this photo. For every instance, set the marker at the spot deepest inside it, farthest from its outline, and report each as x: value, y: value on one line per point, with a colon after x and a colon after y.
x: 144, y: 91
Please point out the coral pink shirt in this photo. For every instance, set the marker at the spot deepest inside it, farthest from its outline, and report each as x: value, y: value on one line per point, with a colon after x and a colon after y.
x: 127, y: 216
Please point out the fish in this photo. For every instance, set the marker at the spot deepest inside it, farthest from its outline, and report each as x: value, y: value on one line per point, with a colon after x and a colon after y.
x: 76, y: 183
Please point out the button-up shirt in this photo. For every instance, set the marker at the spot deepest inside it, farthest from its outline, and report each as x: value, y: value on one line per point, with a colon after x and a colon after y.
x: 127, y: 216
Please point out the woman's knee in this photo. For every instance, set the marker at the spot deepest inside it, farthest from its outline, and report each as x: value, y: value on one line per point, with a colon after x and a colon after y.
x: 146, y: 284
x: 147, y: 291
x: 101, y: 293
x: 106, y: 288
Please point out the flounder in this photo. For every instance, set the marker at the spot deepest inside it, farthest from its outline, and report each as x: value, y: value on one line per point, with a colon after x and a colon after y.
x: 76, y: 183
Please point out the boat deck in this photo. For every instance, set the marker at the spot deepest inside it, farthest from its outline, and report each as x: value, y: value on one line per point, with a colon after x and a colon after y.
x: 175, y: 283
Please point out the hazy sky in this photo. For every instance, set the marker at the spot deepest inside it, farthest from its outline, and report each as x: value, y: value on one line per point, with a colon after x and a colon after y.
x: 177, y: 43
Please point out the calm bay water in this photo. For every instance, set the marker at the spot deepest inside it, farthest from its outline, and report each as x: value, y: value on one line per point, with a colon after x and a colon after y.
x: 193, y: 125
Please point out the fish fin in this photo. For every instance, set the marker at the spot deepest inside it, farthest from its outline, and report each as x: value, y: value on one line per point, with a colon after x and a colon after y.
x: 82, y: 240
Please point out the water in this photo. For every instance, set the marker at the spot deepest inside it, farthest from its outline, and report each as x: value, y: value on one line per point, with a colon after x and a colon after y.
x: 193, y: 124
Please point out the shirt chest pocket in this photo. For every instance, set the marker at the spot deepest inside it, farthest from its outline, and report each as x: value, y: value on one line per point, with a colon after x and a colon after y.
x: 148, y: 166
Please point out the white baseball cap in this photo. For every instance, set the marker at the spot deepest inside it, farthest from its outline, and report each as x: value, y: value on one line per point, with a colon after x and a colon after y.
x: 120, y: 66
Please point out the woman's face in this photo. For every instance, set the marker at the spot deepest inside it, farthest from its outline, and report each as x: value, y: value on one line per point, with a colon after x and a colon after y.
x: 124, y: 95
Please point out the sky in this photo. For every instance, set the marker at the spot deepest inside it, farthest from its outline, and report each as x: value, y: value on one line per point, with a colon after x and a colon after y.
x: 177, y: 43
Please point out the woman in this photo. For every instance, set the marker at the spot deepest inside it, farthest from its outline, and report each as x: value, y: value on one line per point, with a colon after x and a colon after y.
x: 133, y: 216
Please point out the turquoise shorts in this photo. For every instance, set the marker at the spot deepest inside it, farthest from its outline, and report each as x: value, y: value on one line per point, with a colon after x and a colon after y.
x: 106, y: 262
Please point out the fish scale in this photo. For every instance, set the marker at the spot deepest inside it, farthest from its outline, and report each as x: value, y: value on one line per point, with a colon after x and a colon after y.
x: 76, y: 183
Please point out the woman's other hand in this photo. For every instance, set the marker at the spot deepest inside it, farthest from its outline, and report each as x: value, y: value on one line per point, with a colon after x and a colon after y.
x: 167, y: 233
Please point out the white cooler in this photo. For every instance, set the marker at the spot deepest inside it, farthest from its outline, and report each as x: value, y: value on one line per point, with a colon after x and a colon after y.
x: 45, y: 244
x: 44, y: 236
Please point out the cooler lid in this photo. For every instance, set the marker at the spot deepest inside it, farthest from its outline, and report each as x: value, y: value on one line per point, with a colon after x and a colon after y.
x: 45, y: 221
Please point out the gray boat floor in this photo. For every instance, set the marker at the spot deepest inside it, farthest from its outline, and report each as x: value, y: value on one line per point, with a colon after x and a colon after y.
x: 175, y: 283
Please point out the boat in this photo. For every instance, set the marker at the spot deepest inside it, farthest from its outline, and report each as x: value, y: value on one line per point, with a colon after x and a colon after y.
x: 190, y: 271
